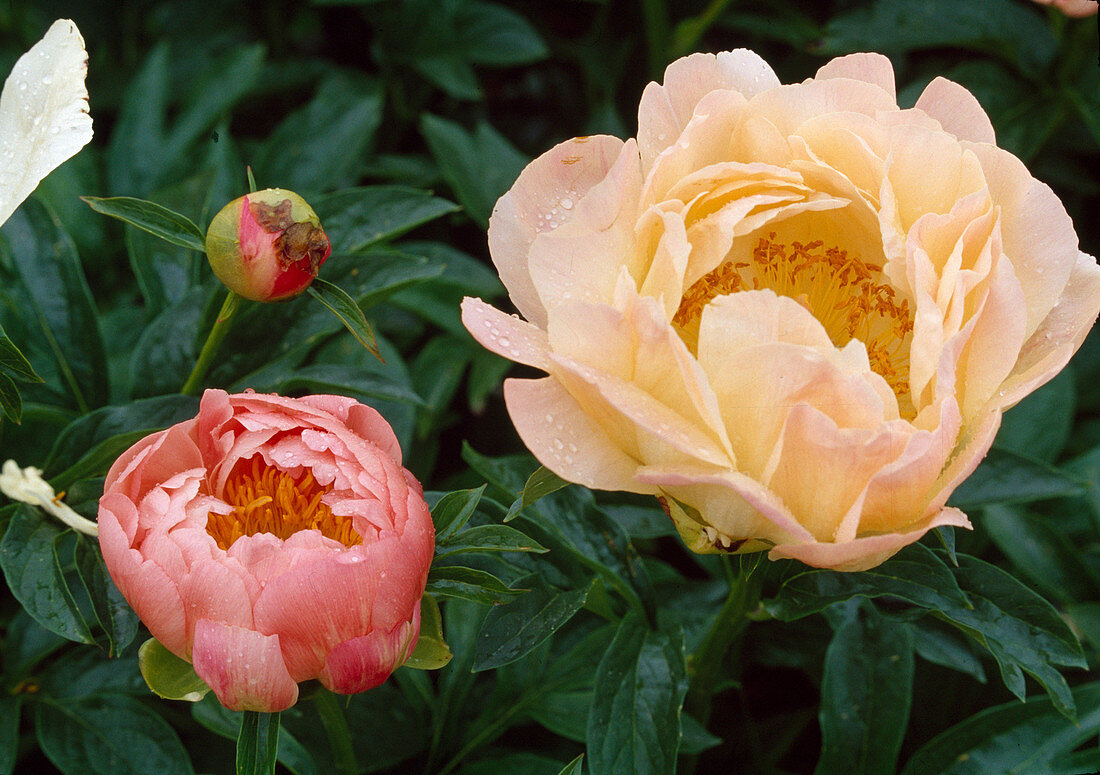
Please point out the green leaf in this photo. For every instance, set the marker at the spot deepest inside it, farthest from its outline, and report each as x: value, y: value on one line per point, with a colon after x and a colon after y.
x: 1014, y: 738
x: 488, y: 538
x: 108, y: 733
x: 11, y: 710
x: 915, y: 574
x: 1009, y: 477
x: 118, y: 620
x: 28, y: 555
x: 634, y: 723
x: 432, y: 651
x: 351, y: 381
x: 1021, y: 630
x: 512, y: 630
x: 468, y: 584
x: 167, y: 675
x: 167, y: 348
x: 10, y: 400
x: 12, y: 361
x: 940, y: 645
x: 153, y: 218
x: 258, y: 743
x: 865, y: 694
x: 491, y: 34
x: 320, y: 147
x: 344, y: 307
x: 454, y: 510
x: 1040, y: 553
x: 90, y: 444
x: 541, y: 483
x: 357, y: 218
x: 479, y: 166
x: 63, y: 339
x: 227, y: 723
x: 575, y: 767
x: 1040, y: 425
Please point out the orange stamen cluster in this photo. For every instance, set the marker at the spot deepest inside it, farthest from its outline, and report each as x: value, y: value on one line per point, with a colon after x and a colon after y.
x: 267, y: 500
x: 843, y: 292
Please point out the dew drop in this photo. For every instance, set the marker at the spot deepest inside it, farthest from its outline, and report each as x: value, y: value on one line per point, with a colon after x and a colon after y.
x: 505, y: 341
x: 566, y: 203
x: 558, y: 444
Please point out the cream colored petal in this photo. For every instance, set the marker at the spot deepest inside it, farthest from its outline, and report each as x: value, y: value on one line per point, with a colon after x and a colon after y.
x: 820, y: 471
x: 537, y: 202
x: 1037, y: 232
x: 43, y: 113
x: 867, y: 67
x: 666, y: 108
x: 788, y: 107
x: 661, y: 234
x: 505, y: 335
x: 865, y: 553
x: 929, y: 171
x: 957, y: 110
x: 707, y: 491
x: 617, y: 363
x: 567, y: 440
x: 972, y: 445
x: 582, y: 257
x: 1060, y: 334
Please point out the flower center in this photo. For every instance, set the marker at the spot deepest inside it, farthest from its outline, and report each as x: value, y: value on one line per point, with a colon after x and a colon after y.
x: 267, y: 500
x: 843, y: 292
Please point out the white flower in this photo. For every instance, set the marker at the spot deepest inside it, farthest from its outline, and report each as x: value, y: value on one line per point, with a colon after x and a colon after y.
x: 43, y: 113
x: 27, y: 486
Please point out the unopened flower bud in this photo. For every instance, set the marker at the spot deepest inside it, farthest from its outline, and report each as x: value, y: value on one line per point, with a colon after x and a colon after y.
x: 266, y: 246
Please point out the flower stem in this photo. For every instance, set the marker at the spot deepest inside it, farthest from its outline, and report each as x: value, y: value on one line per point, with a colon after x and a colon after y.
x: 339, y: 736
x: 705, y: 665
x: 210, y: 346
x: 258, y: 743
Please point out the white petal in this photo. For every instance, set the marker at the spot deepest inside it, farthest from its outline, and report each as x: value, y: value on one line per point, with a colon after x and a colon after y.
x: 43, y: 113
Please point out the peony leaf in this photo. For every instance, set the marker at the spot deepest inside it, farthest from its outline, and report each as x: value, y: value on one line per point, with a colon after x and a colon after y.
x: 468, y: 584
x: 344, y: 307
x: 542, y: 482
x: 510, y: 631
x: 12, y: 361
x: 1010, y: 477
x: 432, y: 652
x: 167, y: 675
x: 118, y: 620
x: 866, y: 693
x: 1017, y: 739
x: 10, y: 401
x: 488, y: 538
x: 357, y: 218
x: 109, y: 730
x: 454, y: 510
x: 634, y: 723
x: 258, y: 743
x: 11, y: 710
x: 28, y: 555
x: 575, y: 767
x: 151, y: 217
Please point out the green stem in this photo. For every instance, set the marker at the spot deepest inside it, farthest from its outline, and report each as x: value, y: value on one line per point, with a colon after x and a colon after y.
x: 339, y: 736
x: 258, y: 743
x: 210, y: 346
x: 706, y: 663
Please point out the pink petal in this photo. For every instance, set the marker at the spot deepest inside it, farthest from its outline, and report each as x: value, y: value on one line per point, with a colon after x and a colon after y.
x: 244, y: 668
x: 363, y: 663
x: 211, y: 590
x: 957, y: 110
x: 870, y: 68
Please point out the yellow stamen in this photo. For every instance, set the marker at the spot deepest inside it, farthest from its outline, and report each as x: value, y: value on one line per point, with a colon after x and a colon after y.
x: 267, y: 500
x: 848, y: 296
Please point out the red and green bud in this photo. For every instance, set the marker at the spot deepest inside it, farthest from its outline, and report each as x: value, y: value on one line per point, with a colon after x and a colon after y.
x: 266, y: 246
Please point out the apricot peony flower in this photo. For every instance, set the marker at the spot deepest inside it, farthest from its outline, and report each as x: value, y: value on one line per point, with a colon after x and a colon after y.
x: 43, y: 113
x: 269, y: 541
x: 794, y: 313
x: 1076, y: 8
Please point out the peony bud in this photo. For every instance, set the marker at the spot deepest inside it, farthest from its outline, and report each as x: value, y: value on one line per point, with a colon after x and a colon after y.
x: 266, y: 246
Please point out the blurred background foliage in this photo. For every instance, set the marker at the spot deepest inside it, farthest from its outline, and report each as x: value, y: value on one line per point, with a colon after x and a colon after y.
x: 402, y: 121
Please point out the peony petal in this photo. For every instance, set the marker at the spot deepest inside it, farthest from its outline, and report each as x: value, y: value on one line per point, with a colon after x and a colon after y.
x: 565, y: 439
x: 568, y: 170
x: 505, y: 335
x: 870, y: 68
x: 957, y: 110
x: 666, y: 108
x: 863, y: 553
x: 43, y: 113
x: 363, y: 663
x: 244, y: 668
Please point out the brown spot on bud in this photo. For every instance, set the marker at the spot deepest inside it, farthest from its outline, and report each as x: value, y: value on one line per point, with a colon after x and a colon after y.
x: 272, y: 218
x: 663, y: 501
x: 302, y: 241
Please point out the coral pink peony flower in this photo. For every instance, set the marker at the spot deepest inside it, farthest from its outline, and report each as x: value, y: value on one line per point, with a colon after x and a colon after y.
x: 1078, y: 8
x: 793, y: 313
x: 267, y: 246
x: 269, y: 541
